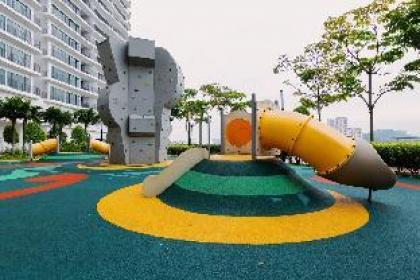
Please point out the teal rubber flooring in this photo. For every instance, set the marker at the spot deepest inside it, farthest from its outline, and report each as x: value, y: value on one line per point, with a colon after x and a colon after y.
x: 58, y: 234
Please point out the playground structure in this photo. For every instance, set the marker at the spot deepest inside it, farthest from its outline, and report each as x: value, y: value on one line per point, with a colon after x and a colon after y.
x: 53, y: 146
x: 143, y: 85
x: 267, y: 131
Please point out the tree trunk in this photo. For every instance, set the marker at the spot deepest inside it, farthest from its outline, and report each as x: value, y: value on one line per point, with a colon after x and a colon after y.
x: 200, y: 132
x: 318, y: 105
x: 188, y: 132
x: 319, y: 113
x: 371, y: 106
x: 13, y: 135
x: 24, y: 123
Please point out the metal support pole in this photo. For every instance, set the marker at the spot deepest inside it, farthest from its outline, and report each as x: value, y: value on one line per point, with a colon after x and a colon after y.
x: 370, y: 196
x: 282, y: 100
x: 208, y: 134
x: 222, y: 132
x: 31, y: 154
x: 254, y: 126
x: 58, y: 144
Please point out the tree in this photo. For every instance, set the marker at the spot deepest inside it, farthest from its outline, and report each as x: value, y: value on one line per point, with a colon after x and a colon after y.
x: 32, y: 113
x: 224, y: 98
x: 360, y: 43
x: 10, y: 134
x: 199, y: 110
x: 304, y: 107
x: 86, y: 117
x: 403, y: 28
x: 58, y: 120
x: 316, y: 73
x: 184, y: 109
x: 51, y: 115
x: 14, y: 108
x: 34, y: 132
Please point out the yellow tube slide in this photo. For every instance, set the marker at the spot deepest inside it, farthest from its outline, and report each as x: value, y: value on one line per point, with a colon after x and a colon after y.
x: 44, y: 147
x: 100, y: 147
x: 306, y: 138
x: 332, y: 154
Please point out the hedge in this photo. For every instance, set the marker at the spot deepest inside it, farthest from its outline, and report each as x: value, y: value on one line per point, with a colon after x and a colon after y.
x: 177, y: 149
x: 404, y: 156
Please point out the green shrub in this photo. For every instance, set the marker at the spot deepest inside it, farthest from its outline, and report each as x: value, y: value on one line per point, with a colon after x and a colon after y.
x: 72, y: 147
x: 400, y: 155
x: 35, y: 133
x: 8, y: 135
x: 177, y: 149
x: 17, y: 155
x: 79, y: 136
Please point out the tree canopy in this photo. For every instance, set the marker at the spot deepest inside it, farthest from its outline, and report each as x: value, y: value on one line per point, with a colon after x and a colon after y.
x: 316, y: 71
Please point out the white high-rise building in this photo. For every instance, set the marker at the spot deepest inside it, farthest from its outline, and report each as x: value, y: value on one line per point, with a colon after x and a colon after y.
x: 48, y: 49
x: 341, y: 125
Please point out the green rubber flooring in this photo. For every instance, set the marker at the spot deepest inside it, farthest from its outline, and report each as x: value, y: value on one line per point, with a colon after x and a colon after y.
x: 57, y: 234
x: 71, y: 157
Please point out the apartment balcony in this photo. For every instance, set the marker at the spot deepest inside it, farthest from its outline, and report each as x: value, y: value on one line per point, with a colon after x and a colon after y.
x: 42, y: 94
x: 37, y: 68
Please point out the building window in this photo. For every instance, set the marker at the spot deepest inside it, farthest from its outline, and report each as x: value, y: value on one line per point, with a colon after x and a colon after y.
x: 65, y: 96
x: 19, y: 7
x: 64, y: 18
x: 64, y: 77
x: 65, y: 38
x: 2, y: 76
x: 2, y: 22
x: 72, y: 6
x: 64, y: 57
x: 15, y: 55
x: 18, y: 82
x: 15, y: 29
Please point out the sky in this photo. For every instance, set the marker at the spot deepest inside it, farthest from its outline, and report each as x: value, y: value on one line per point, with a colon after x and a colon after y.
x: 236, y: 43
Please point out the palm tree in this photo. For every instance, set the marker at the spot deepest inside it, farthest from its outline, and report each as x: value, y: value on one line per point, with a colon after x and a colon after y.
x: 51, y: 115
x: 58, y: 120
x: 64, y: 119
x: 86, y: 117
x: 14, y: 108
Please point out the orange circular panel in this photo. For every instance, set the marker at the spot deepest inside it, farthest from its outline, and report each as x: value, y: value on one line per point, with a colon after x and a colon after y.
x: 238, y: 132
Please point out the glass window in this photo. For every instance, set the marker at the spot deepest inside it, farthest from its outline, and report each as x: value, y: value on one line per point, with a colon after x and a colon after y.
x: 18, y: 82
x: 18, y: 31
x: 65, y: 77
x: 2, y: 49
x: 64, y: 96
x: 19, y: 7
x: 17, y: 56
x: 64, y: 57
x: 2, y: 76
x: 63, y: 17
x: 2, y: 22
x: 65, y: 38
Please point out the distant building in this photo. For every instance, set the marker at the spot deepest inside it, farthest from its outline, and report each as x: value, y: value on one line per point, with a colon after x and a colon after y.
x: 389, y: 135
x: 355, y: 133
x: 341, y: 125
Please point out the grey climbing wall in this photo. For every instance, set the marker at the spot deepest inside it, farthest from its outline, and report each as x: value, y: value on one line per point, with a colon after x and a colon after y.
x: 144, y: 83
